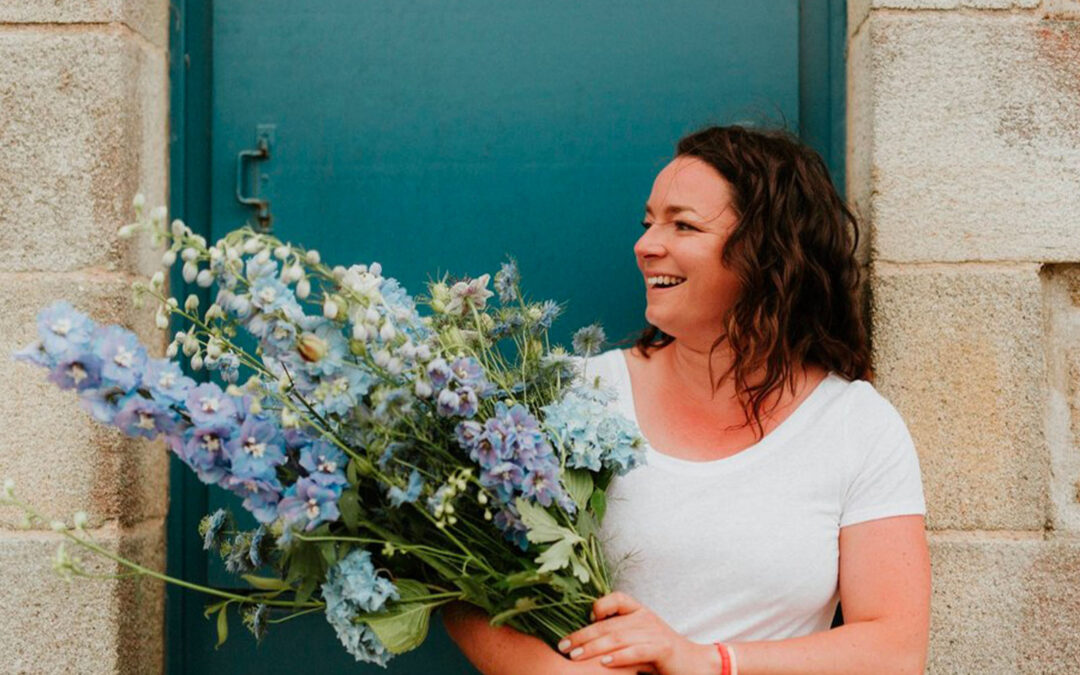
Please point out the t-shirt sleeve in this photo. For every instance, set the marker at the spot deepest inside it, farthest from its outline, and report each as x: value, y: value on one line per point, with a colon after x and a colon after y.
x: 887, y: 480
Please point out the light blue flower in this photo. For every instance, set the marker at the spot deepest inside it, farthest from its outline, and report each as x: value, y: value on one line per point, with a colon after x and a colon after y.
x: 166, y: 382
x: 439, y: 372
x: 509, y: 521
x: 77, y: 370
x: 103, y: 403
x: 257, y: 447
x: 204, y: 451
x: 410, y: 494
x: 589, y: 340
x: 504, y: 478
x: 145, y: 417
x: 123, y: 358
x: 324, y: 462
x: 354, y: 588
x: 208, y: 405
x: 549, y: 311
x: 308, y: 504
x: 506, y: 282
x: 62, y: 328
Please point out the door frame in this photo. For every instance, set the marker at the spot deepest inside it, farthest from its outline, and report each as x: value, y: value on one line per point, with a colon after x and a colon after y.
x: 822, y: 111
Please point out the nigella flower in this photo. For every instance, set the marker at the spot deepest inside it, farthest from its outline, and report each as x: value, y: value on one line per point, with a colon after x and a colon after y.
x: 353, y: 588
x: 411, y: 492
x: 210, y: 528
x: 255, y: 620
x: 506, y: 281
x: 62, y: 328
x: 123, y: 359
x: 208, y: 405
x: 308, y: 504
x: 145, y: 417
x: 324, y: 462
x: 549, y: 311
x: 589, y: 340
x: 258, y: 542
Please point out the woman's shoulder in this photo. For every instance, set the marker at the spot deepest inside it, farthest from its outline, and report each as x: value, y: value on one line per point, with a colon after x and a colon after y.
x: 868, y: 412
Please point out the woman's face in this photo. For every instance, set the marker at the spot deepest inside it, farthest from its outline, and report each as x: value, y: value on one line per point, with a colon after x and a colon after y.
x: 688, y: 218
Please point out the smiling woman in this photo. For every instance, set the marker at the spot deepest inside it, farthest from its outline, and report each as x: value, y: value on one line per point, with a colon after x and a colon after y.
x: 774, y: 491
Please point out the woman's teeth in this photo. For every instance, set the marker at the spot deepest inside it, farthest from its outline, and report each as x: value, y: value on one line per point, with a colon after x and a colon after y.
x: 664, y: 281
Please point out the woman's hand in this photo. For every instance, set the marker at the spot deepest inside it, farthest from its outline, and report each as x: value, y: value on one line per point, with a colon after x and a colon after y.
x: 626, y: 633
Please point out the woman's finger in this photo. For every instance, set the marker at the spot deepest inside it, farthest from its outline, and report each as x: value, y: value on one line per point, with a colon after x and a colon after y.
x: 614, y: 603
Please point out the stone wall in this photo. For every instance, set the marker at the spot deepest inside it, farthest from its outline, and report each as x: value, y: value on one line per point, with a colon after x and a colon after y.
x: 964, y: 161
x: 83, y: 126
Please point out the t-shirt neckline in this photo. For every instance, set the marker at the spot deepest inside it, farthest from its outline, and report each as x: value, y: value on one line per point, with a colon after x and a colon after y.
x: 774, y: 439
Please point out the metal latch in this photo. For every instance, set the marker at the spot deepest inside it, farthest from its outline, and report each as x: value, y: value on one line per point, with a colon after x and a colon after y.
x: 264, y: 138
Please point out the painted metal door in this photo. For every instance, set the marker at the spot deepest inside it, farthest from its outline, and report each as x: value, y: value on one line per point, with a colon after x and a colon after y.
x: 438, y: 136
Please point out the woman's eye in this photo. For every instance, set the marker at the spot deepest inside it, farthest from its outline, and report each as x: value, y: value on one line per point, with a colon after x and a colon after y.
x: 645, y: 224
x: 679, y: 223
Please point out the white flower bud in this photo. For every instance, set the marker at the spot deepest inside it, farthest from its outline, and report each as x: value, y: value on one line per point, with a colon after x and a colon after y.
x: 126, y: 231
x: 289, y: 419
x: 214, y: 311
x: 161, y: 319
x: 359, y: 332
x: 387, y: 331
x: 452, y: 520
x: 233, y: 390
x: 394, y: 366
x: 312, y: 257
x: 339, y: 272
x: 214, y: 349
x: 178, y: 228
x: 372, y: 316
x: 58, y: 526
x: 159, y: 214
x: 157, y: 282
x: 196, y: 362
x: 189, y: 254
x: 482, y: 499
x: 171, y: 350
x: 192, y: 303
x: 252, y: 245
x: 81, y: 519
x: 281, y: 252
x: 375, y: 269
x: 191, y: 345
x: 200, y: 240
x: 330, y: 308
x: 139, y: 201
x: 204, y: 278
x: 172, y: 302
x: 423, y: 352
x: 296, y: 273
x: 487, y: 514
x: 303, y: 289
x: 382, y: 357
x: 423, y: 389
x: 449, y: 508
x: 263, y: 257
x: 190, y: 271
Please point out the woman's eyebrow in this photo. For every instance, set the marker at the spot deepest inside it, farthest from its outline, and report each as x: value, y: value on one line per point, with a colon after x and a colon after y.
x: 672, y: 208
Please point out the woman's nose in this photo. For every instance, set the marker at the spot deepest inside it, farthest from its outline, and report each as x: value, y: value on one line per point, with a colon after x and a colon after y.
x: 648, y: 244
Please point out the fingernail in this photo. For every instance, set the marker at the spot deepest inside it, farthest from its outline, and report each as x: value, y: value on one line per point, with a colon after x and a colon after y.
x: 606, y: 660
x: 576, y: 653
x: 592, y: 616
x: 564, y: 645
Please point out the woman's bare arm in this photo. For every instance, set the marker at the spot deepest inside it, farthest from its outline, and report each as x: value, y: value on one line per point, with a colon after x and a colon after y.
x: 501, y: 650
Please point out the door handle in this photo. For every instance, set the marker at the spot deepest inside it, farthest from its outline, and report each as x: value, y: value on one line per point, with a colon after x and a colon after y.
x: 261, y: 153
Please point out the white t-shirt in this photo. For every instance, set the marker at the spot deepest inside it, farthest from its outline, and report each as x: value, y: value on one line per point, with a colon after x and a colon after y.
x: 746, y: 547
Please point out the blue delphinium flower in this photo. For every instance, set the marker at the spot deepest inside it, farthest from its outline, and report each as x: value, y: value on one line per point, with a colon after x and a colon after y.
x: 308, y: 504
x: 104, y: 402
x: 324, y: 462
x: 123, y: 358
x: 166, y: 382
x: 411, y: 492
x: 62, y: 329
x: 208, y: 405
x: 509, y: 521
x: 353, y: 588
x: 256, y: 448
x: 77, y: 370
x: 145, y: 417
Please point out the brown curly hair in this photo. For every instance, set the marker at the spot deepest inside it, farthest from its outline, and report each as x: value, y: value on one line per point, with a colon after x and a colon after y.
x: 794, y: 255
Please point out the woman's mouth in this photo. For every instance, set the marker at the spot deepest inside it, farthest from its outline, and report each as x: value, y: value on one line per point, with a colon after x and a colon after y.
x: 663, y: 281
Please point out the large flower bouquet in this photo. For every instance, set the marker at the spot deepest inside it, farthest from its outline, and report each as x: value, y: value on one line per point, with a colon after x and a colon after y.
x: 393, y: 461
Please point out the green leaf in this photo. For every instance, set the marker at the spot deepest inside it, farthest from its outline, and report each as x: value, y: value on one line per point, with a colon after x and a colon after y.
x: 222, y: 626
x: 557, y: 556
x: 405, y: 625
x: 579, y: 569
x: 598, y: 503
x: 579, y: 484
x: 306, y: 589
x: 351, y: 473
x: 328, y: 550
x: 541, y: 524
x: 210, y: 609
x: 586, y: 524
x: 349, y: 506
x: 266, y: 583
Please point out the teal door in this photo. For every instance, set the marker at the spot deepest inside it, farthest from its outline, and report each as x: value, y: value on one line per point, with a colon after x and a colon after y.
x: 436, y: 136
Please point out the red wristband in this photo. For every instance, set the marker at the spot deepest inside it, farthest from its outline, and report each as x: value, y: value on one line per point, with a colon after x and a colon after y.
x: 725, y: 659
